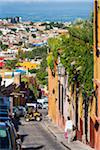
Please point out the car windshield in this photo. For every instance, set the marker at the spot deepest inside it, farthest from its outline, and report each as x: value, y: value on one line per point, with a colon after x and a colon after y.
x: 45, y: 103
x: 4, y: 139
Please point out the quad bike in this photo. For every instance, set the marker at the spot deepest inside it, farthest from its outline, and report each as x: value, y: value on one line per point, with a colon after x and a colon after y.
x: 37, y: 116
x: 28, y: 117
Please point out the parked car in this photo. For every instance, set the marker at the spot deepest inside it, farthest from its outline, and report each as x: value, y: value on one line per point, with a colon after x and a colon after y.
x: 22, y: 110
x: 16, y: 112
x: 4, y: 107
x: 4, y: 110
x: 32, y: 105
x: 19, y: 111
x: 43, y: 101
x: 8, y: 137
x: 45, y: 105
x: 39, y: 105
x: 3, y: 119
x: 4, y: 114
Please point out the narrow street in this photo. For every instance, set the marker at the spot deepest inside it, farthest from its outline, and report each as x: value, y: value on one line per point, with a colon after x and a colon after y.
x: 35, y: 136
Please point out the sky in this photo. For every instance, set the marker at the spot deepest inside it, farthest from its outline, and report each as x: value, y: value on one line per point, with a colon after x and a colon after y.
x: 41, y: 0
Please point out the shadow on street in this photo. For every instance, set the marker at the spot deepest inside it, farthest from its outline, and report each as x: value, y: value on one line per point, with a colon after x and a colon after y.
x: 16, y: 122
x: 32, y: 147
x: 22, y: 137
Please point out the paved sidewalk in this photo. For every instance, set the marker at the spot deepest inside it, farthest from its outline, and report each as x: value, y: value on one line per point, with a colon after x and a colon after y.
x: 59, y: 134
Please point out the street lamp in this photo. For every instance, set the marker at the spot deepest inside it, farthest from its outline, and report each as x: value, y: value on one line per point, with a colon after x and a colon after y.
x: 61, y: 70
x: 61, y: 73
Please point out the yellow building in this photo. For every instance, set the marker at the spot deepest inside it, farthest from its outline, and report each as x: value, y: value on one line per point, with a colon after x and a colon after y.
x: 29, y: 65
x: 97, y: 64
x: 97, y: 40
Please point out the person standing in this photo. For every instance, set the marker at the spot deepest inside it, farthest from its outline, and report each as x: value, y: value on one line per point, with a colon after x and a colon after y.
x: 69, y: 128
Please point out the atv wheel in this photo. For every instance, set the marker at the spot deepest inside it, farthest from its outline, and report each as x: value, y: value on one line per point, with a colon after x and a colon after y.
x: 27, y: 120
x: 38, y: 118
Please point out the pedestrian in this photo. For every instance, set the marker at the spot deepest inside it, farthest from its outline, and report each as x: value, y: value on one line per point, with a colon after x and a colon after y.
x: 97, y: 126
x: 68, y: 129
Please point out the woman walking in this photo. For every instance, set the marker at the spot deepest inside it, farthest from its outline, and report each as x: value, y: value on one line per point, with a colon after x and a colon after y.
x: 68, y: 129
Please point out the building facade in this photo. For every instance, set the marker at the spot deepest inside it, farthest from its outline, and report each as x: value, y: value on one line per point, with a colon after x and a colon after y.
x: 97, y: 64
x: 56, y: 97
x: 65, y: 101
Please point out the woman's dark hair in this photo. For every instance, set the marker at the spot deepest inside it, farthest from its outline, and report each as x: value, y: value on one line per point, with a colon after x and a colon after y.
x: 68, y: 118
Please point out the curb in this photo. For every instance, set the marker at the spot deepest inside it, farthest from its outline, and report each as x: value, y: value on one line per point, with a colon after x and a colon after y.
x: 61, y: 141
x: 67, y: 146
x: 51, y: 131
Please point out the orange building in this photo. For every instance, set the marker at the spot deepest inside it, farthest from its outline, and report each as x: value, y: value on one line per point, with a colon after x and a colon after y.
x: 55, y: 97
x: 97, y: 64
x: 52, y: 95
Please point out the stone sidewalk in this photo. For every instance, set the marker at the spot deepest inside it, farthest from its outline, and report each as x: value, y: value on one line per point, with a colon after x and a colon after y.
x: 59, y: 134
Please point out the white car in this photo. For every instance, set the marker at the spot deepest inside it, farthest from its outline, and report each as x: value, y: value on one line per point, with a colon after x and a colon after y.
x: 31, y: 105
x: 45, y: 105
x: 42, y: 100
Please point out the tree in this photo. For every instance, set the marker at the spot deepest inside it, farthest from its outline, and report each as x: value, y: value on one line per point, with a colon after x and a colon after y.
x: 36, y: 52
x: 0, y: 33
x: 42, y: 73
x: 76, y: 53
x: 4, y: 46
x: 11, y: 64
